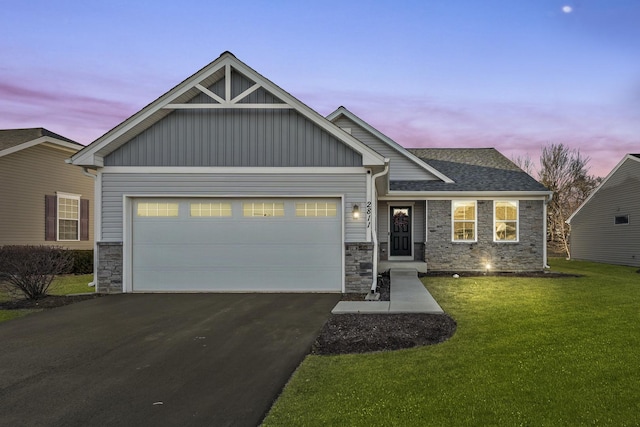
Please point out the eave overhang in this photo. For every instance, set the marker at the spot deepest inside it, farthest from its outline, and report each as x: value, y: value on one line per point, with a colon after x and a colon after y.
x: 93, y: 155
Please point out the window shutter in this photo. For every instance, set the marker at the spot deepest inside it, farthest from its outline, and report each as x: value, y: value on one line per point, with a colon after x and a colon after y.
x: 84, y: 219
x: 50, y: 218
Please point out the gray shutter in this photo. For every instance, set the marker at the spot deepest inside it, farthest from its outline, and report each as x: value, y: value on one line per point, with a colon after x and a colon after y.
x: 50, y: 219
x: 84, y: 219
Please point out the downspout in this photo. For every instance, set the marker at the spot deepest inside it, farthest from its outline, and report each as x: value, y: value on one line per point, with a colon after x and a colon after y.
x: 544, y: 213
x: 85, y: 172
x: 374, y: 223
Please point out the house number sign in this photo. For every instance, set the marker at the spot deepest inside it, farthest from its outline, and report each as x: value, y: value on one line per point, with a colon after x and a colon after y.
x: 368, y: 214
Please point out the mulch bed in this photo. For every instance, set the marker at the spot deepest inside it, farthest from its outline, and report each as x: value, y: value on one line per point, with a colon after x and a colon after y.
x: 363, y: 333
x: 50, y: 301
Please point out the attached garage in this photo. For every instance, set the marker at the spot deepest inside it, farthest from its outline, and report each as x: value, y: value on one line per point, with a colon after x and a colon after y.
x: 237, y: 245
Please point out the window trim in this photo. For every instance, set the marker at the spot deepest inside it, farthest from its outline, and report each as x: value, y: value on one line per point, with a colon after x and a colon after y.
x: 517, y: 220
x: 59, y: 197
x: 615, y: 219
x: 475, y: 221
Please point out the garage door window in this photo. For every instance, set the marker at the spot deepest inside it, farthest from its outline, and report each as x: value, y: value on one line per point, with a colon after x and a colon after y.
x: 316, y: 209
x: 153, y: 209
x: 210, y: 209
x: 263, y: 209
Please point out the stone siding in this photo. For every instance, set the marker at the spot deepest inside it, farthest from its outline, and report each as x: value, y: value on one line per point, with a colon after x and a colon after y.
x: 441, y: 254
x: 109, y: 267
x: 358, y: 267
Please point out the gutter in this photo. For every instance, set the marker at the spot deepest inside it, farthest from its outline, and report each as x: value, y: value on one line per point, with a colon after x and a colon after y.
x: 545, y: 216
x: 374, y: 223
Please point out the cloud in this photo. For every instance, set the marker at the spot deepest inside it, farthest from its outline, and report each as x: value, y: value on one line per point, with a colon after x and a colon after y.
x: 605, y: 134
x: 84, y: 118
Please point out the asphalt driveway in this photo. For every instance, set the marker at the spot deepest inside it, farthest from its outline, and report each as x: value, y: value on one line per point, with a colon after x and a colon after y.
x: 156, y: 359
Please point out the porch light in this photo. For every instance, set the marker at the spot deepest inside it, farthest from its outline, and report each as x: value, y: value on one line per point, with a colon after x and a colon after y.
x: 355, y: 211
x: 488, y: 267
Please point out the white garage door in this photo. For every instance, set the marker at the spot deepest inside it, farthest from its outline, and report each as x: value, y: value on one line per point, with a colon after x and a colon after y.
x: 237, y: 245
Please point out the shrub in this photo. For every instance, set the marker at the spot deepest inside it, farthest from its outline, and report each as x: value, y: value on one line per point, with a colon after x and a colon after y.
x: 31, y: 269
x: 82, y: 262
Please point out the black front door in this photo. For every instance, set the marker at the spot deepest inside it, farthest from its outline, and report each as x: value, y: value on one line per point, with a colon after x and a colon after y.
x: 400, y: 238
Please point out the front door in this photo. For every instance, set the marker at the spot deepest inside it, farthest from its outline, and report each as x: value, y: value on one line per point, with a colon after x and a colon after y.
x: 400, y: 237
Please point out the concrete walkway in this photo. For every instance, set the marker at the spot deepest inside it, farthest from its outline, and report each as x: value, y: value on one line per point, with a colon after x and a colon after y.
x: 408, y: 295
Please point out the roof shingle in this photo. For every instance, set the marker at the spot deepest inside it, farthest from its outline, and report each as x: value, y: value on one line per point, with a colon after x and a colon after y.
x: 12, y: 137
x: 471, y: 169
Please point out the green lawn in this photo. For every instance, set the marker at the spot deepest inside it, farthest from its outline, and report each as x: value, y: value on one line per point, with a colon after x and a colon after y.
x: 532, y: 352
x: 63, y: 285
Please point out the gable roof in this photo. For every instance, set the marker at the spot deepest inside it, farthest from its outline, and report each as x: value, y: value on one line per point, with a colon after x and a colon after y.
x: 472, y: 170
x: 180, y: 95
x: 632, y: 157
x: 13, y: 140
x: 342, y: 111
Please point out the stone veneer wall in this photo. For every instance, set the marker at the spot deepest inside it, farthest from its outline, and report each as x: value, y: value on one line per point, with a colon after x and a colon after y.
x: 442, y: 254
x: 358, y: 269
x: 109, y: 267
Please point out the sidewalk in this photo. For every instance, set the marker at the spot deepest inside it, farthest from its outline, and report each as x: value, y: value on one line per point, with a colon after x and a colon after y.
x: 408, y: 295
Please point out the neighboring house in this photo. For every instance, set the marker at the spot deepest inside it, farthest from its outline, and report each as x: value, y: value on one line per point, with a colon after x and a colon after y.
x: 606, y: 227
x: 45, y: 201
x: 229, y: 183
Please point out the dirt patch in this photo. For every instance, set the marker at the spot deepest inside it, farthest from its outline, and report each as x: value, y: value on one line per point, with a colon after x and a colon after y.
x: 50, y: 301
x: 363, y: 333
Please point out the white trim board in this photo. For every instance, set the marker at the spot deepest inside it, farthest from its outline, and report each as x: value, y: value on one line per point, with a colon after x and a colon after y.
x: 233, y: 170
x: 50, y: 142
x: 93, y: 154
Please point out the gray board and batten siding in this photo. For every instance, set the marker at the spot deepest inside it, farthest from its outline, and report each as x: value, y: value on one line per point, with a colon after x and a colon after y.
x: 351, y: 186
x: 594, y: 234
x: 235, y: 137
x: 401, y: 168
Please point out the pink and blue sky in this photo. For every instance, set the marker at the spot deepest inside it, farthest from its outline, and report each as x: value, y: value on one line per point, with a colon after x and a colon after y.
x: 515, y: 75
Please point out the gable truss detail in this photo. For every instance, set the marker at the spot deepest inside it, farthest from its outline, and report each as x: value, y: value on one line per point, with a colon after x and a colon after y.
x: 227, y: 102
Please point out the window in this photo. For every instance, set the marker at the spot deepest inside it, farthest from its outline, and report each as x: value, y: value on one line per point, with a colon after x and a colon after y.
x: 505, y: 221
x: 621, y: 219
x: 464, y: 221
x: 263, y: 209
x: 68, y: 217
x: 316, y: 209
x: 157, y: 209
x: 215, y: 209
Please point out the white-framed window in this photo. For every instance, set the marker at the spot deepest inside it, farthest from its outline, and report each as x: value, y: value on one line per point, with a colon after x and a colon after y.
x: 464, y: 214
x: 157, y: 209
x: 68, y: 217
x: 505, y: 221
x: 316, y: 209
x: 274, y: 209
x: 212, y: 209
x: 621, y: 220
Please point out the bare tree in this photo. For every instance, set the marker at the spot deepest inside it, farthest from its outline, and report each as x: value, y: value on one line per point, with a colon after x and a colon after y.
x: 525, y: 163
x: 565, y: 172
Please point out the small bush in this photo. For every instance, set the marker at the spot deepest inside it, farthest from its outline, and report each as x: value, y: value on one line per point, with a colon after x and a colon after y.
x: 82, y: 262
x: 31, y: 269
